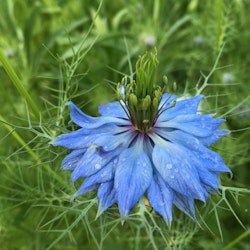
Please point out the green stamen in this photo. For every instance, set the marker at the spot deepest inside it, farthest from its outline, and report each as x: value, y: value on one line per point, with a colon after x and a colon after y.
x: 142, y: 96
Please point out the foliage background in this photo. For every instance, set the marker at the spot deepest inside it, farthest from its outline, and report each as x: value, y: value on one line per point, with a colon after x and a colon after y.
x: 78, y: 50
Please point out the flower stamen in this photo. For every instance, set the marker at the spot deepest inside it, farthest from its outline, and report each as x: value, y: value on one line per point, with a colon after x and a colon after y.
x: 140, y: 98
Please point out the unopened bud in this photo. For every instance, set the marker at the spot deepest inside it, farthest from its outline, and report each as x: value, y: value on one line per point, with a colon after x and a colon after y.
x: 174, y: 86
x: 165, y: 79
x: 155, y: 103
x: 146, y: 103
x: 133, y: 100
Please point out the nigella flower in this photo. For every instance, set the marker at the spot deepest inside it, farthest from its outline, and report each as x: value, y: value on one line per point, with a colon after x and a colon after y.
x: 146, y: 144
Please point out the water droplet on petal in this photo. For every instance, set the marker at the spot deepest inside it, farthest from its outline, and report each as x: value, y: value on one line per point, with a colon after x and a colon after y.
x: 169, y: 166
x: 98, y: 166
x: 172, y: 176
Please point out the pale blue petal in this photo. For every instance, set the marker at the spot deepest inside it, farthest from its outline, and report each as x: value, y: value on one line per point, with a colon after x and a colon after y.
x: 132, y: 177
x: 113, y: 109
x: 173, y: 163
x: 89, y: 122
x: 197, y: 125
x: 103, y: 175
x: 182, y: 107
x: 160, y: 197
x: 92, y: 161
x: 72, y: 159
x: 185, y: 204
x: 107, y: 196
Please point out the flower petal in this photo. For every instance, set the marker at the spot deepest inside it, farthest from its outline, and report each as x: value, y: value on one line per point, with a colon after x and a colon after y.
x: 132, y: 177
x: 107, y: 196
x: 197, y: 125
x: 183, y: 138
x: 113, y: 109
x: 89, y: 122
x: 182, y: 107
x: 209, y: 179
x: 92, y: 161
x: 185, y: 204
x: 105, y: 174
x: 109, y: 142
x: 78, y: 139
x: 166, y: 101
x: 72, y: 159
x: 207, y: 158
x: 160, y: 197
x: 213, y: 161
x: 173, y: 164
x: 217, y: 135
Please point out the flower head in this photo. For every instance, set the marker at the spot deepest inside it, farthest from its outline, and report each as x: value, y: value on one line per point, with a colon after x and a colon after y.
x: 147, y: 143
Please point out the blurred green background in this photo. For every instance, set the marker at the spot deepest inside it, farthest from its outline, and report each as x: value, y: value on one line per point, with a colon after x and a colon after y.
x: 78, y: 50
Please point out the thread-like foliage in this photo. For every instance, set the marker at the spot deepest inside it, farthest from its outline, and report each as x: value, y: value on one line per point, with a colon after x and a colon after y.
x: 56, y: 52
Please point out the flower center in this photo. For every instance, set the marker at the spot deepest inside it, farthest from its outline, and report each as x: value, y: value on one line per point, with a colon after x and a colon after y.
x: 141, y: 96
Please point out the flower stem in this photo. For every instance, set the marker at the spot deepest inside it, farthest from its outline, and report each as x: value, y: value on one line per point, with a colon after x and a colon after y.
x: 237, y: 240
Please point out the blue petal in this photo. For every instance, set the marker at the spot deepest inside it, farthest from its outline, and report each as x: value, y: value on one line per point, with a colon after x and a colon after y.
x: 109, y: 142
x: 172, y: 162
x: 113, y: 109
x: 212, y: 161
x: 197, y: 125
x: 166, y: 101
x: 209, y: 179
x: 105, y: 174
x: 206, y: 157
x: 185, y: 204
x: 78, y: 139
x: 160, y: 197
x: 92, y: 161
x: 77, y: 116
x: 72, y: 159
x: 132, y: 177
x: 180, y: 137
x: 89, y: 122
x: 183, y: 107
x: 107, y: 196
x: 107, y: 136
x: 217, y: 135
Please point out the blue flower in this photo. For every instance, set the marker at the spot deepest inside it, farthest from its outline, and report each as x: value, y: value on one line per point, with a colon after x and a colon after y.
x: 147, y: 144
x: 171, y: 163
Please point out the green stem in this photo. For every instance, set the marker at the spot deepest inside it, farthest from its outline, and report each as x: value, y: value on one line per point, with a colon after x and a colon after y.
x: 18, y: 84
x: 237, y: 240
x: 219, y: 24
